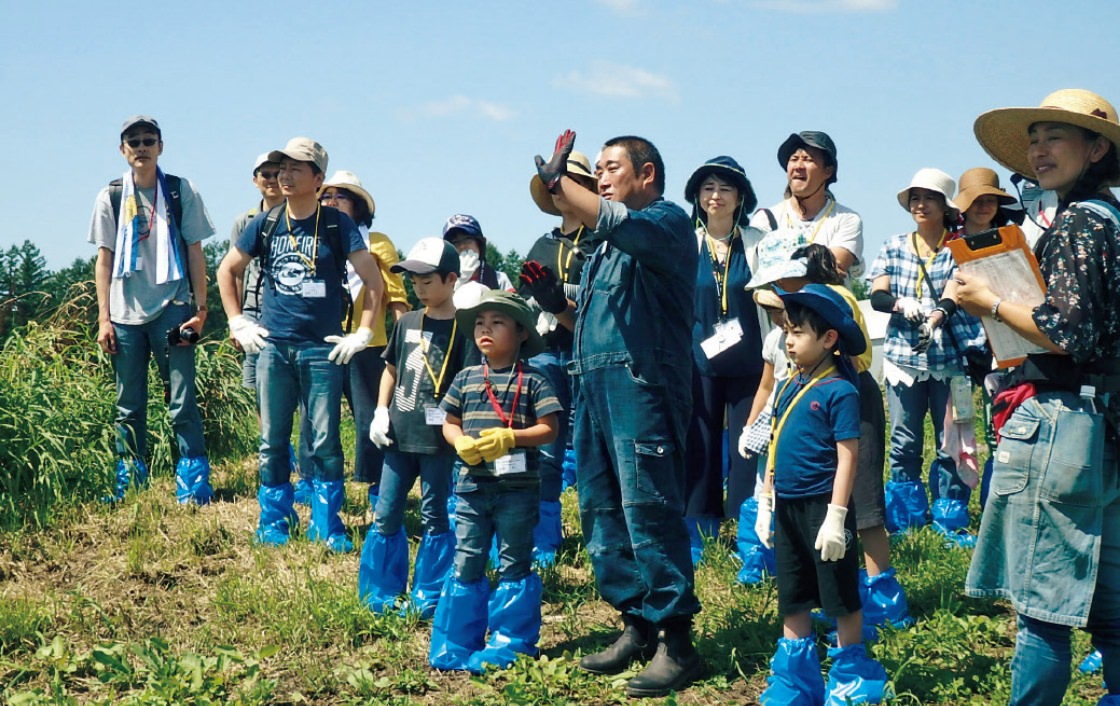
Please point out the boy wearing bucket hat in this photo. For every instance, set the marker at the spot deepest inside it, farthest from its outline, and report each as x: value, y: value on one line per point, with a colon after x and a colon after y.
x: 426, y: 350
x: 300, y: 339
x: 811, y: 469
x: 1050, y: 535
x: 499, y: 414
x: 151, y: 291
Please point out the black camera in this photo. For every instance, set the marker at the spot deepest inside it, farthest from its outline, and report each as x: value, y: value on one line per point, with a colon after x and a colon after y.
x: 177, y: 335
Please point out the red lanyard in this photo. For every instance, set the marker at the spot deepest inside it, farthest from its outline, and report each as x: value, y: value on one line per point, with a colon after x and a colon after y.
x: 494, y: 400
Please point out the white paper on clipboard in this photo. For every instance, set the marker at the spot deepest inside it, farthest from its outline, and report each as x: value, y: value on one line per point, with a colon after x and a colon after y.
x: 1011, y: 276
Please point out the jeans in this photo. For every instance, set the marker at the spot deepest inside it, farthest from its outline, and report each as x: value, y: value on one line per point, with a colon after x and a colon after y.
x: 135, y: 344
x: 397, y: 476
x: 908, y: 406
x: 1040, y: 669
x: 552, y: 364
x: 629, y: 442
x: 488, y: 506
x: 363, y: 376
x: 291, y: 376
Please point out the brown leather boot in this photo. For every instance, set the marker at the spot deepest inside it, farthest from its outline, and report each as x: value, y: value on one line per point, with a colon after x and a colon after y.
x: 674, y: 665
x: 636, y: 641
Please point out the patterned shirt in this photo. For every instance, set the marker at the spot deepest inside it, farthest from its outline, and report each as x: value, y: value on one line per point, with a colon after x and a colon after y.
x: 900, y: 263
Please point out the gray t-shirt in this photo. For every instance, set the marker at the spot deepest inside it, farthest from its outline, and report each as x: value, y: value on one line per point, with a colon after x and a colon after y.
x: 251, y: 294
x: 137, y: 299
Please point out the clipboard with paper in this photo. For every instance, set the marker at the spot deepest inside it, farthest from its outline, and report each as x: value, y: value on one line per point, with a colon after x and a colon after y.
x: 1003, y: 257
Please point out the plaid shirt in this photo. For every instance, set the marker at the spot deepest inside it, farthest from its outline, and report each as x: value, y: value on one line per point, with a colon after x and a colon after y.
x: 898, y: 261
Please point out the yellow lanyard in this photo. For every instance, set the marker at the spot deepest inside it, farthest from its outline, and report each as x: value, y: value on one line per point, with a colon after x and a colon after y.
x: 295, y: 246
x: 438, y: 382
x: 820, y: 221
x: 929, y: 262
x: 721, y: 279
x: 777, y: 424
x: 562, y: 270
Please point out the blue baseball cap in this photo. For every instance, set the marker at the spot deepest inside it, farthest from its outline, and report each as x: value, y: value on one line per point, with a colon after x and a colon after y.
x: 831, y: 307
x: 463, y: 223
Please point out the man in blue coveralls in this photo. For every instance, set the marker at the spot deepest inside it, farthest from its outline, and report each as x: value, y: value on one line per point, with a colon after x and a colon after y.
x: 631, y: 360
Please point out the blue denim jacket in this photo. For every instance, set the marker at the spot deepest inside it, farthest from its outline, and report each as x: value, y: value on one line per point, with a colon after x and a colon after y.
x: 636, y: 294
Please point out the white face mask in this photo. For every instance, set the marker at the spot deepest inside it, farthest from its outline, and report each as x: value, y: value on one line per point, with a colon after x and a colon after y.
x: 468, y: 263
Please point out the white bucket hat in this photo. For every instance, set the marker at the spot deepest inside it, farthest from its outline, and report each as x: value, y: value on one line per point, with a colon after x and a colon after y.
x: 933, y: 180
x: 349, y: 180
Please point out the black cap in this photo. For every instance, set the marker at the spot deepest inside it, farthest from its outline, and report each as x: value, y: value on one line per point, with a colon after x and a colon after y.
x: 729, y: 170
x: 809, y: 138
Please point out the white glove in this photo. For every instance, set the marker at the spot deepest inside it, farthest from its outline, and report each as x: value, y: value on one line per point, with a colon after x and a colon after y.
x: 831, y: 540
x: 248, y: 333
x: 346, y: 346
x: 911, y: 309
x: 379, y: 428
x: 743, y: 450
x: 763, y: 524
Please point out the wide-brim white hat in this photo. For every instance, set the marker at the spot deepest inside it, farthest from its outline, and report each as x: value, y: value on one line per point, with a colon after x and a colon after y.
x: 933, y: 180
x: 349, y: 180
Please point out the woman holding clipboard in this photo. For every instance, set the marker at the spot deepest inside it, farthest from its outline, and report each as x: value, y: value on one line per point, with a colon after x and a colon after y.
x: 1050, y: 535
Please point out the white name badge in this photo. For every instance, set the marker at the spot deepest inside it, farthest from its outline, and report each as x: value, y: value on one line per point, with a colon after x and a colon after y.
x: 513, y: 462
x: 727, y: 335
x: 315, y: 289
x: 434, y: 416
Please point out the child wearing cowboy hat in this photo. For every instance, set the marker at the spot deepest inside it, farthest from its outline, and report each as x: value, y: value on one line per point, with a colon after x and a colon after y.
x: 498, y: 415
x: 810, y: 473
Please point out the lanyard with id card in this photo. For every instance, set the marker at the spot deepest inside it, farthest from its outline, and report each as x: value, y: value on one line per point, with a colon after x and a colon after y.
x: 727, y: 333
x: 515, y: 461
x: 434, y: 415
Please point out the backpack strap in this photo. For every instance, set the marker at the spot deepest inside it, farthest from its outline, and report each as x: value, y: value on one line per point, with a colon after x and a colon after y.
x: 174, y: 196
x: 770, y: 218
x: 270, y: 222
x: 1103, y: 208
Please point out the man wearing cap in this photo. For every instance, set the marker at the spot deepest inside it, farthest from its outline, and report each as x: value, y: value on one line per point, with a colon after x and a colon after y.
x: 148, y: 228
x: 632, y: 360
x: 465, y: 233
x: 301, y: 245
x: 809, y: 213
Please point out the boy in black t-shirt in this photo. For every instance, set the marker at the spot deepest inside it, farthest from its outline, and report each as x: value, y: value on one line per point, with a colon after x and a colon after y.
x: 426, y: 350
x: 498, y: 414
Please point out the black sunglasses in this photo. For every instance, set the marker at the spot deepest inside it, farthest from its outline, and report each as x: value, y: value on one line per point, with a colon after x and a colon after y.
x: 268, y: 176
x: 136, y: 142
x: 339, y: 195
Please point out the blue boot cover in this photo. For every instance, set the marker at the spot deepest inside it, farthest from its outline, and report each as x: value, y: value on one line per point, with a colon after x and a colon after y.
x: 757, y: 559
x: 433, y: 564
x: 796, y: 675
x: 854, y: 678
x: 515, y: 624
x: 568, y: 470
x: 130, y: 471
x: 326, y: 526
x: 884, y: 601
x: 1092, y: 663
x: 192, y: 481
x: 699, y: 529
x: 459, y: 627
x: 383, y: 569
x: 278, y: 517
x: 305, y: 491
x: 548, y: 534
x: 907, y: 506
x: 452, y: 506
x: 950, y: 518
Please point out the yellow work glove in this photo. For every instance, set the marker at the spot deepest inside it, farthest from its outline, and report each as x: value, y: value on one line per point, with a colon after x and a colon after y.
x: 495, y: 443
x: 467, y: 448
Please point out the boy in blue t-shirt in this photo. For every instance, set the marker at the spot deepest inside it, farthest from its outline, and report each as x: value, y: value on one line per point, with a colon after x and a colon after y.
x: 498, y: 415
x: 811, y: 470
x: 426, y: 350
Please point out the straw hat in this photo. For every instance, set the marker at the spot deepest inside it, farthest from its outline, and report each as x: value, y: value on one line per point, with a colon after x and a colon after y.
x: 578, y: 166
x: 932, y: 180
x: 1003, y: 133
x: 977, y: 182
x: 350, y: 181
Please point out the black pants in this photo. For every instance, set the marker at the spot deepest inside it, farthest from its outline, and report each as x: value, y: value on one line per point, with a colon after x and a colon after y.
x: 713, y: 400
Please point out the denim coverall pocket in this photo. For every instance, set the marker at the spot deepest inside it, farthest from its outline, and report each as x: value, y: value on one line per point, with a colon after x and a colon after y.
x: 1011, y: 469
x: 1075, y: 474
x: 653, y: 470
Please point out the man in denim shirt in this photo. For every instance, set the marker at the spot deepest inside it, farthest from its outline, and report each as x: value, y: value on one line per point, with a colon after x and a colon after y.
x: 631, y: 359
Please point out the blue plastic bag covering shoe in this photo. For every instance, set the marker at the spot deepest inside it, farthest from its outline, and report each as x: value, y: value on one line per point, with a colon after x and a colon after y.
x: 192, y: 481
x: 459, y: 626
x: 950, y: 518
x: 515, y: 624
x: 757, y: 559
x: 548, y: 534
x: 1092, y: 663
x: 568, y: 470
x: 907, y: 506
x: 383, y: 569
x: 278, y: 517
x: 325, y: 525
x: 128, y: 471
x: 854, y: 678
x: 699, y: 529
x: 304, y: 491
x: 796, y: 679
x: 884, y: 601
x: 433, y: 564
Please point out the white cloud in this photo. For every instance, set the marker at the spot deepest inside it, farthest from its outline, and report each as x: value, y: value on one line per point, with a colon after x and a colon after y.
x: 823, y: 6
x: 460, y: 105
x: 617, y: 81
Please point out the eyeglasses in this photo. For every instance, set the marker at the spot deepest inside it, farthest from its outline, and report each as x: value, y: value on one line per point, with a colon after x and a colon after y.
x: 268, y: 176
x: 336, y: 196
x: 136, y: 142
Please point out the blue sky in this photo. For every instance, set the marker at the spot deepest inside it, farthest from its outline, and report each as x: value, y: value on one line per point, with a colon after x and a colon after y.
x: 440, y: 106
